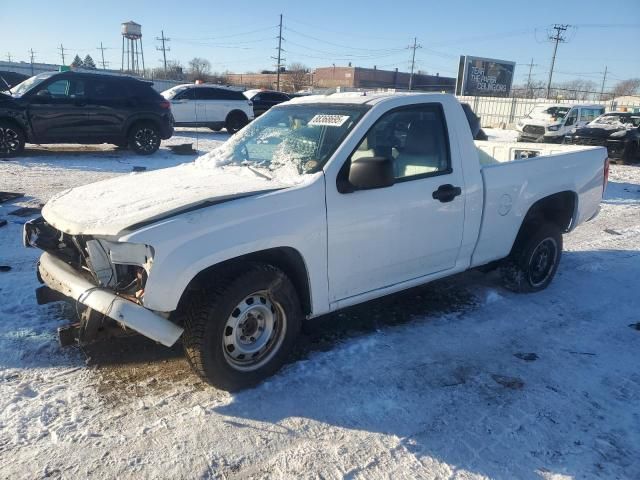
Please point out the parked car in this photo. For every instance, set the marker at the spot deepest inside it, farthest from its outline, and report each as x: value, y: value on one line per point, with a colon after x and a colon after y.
x: 618, y: 131
x: 263, y: 100
x: 325, y: 202
x: 213, y: 106
x: 8, y: 80
x: 86, y: 108
x: 550, y: 123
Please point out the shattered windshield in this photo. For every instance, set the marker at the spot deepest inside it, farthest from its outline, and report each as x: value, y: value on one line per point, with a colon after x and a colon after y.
x: 29, y: 83
x: 290, y: 140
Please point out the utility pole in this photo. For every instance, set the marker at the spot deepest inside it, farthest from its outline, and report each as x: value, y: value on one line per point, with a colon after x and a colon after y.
x: 8, y: 56
x: 31, y: 56
x: 279, y: 58
x: 531, y: 65
x: 102, y: 49
x: 557, y: 38
x: 61, y: 48
x: 413, y: 47
x: 164, y: 49
x: 604, y: 79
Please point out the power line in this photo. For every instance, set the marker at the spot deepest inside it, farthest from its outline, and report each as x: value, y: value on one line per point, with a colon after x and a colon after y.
x: 102, y: 49
x: 531, y: 65
x: 32, y: 56
x: 279, y: 57
x: 163, y: 48
x: 604, y: 79
x: 413, y: 47
x: 61, y: 48
x: 557, y: 38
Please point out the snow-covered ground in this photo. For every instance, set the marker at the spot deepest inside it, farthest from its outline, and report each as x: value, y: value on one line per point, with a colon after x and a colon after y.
x: 457, y: 379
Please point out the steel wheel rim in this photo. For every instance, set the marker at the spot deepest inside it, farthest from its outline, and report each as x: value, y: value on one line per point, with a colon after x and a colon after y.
x: 253, y: 332
x: 9, y: 140
x: 146, y: 139
x: 543, y: 261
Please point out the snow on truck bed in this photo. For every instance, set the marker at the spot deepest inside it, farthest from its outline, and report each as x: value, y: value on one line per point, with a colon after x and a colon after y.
x: 459, y: 379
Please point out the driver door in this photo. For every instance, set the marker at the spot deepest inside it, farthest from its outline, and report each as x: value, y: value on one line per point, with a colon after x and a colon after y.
x: 58, y: 111
x: 381, y: 237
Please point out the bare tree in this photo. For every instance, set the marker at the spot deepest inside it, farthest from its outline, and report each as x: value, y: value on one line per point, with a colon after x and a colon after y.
x: 174, y: 71
x: 298, y: 76
x: 199, y: 69
x: 627, y: 87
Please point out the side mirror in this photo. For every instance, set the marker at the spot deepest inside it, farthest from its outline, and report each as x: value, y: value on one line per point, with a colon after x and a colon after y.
x: 371, y: 172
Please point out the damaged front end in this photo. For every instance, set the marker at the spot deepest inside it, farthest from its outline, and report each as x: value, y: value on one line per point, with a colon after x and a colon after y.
x: 107, y: 277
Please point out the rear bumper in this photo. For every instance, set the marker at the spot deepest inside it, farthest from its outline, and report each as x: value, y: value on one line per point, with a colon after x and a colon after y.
x: 62, y: 278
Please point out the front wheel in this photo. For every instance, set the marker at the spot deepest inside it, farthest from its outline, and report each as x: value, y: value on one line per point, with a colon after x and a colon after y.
x: 534, y: 260
x: 144, y: 138
x: 12, y: 140
x: 235, y: 121
x: 240, y: 330
x: 630, y: 154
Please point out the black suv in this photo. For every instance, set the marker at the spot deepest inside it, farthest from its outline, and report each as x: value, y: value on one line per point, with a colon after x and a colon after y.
x: 83, y: 107
x: 263, y: 100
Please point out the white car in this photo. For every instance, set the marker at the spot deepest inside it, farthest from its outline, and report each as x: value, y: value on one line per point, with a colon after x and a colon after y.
x: 551, y: 122
x: 213, y: 106
x: 326, y: 202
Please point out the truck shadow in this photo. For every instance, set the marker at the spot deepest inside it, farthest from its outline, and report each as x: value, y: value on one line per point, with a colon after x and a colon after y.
x: 133, y: 360
x: 485, y: 390
x: 622, y: 193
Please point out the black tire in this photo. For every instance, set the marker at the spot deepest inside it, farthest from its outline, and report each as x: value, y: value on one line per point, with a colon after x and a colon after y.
x: 216, y: 129
x: 235, y: 121
x: 534, y: 260
x: 12, y: 139
x: 219, y: 318
x: 630, y: 154
x: 144, y: 138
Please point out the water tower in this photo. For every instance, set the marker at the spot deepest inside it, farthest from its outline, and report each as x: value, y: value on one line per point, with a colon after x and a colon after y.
x: 132, y: 47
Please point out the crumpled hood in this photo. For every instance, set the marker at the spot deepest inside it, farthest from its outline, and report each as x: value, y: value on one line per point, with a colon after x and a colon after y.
x: 600, y: 131
x: 108, y: 207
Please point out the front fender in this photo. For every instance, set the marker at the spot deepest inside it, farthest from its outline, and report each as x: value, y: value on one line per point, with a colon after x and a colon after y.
x: 187, y: 244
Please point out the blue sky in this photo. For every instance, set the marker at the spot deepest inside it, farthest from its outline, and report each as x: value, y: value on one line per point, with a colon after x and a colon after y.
x: 240, y: 36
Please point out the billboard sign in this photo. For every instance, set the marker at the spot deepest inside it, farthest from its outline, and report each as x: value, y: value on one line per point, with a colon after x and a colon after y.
x: 485, y: 77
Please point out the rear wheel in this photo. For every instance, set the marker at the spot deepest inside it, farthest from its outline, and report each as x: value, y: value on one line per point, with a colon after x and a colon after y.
x: 12, y: 139
x: 144, y: 138
x: 235, y: 121
x: 240, y: 330
x: 534, y: 260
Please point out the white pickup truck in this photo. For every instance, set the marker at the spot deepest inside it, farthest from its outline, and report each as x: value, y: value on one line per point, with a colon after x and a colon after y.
x: 321, y: 203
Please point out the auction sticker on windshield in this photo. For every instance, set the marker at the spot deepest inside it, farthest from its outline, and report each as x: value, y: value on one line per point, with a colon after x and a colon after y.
x: 324, y: 120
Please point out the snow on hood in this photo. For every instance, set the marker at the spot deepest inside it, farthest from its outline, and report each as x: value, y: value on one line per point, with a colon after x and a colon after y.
x: 108, y: 207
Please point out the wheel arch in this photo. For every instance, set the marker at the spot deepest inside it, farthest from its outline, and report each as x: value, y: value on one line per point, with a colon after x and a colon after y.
x: 287, y: 259
x: 236, y: 111
x: 133, y: 121
x: 559, y: 209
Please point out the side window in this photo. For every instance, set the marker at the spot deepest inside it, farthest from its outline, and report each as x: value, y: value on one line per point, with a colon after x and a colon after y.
x: 63, y: 89
x: 106, y: 90
x: 186, y: 94
x: 590, y: 114
x: 572, y: 117
x: 414, y: 138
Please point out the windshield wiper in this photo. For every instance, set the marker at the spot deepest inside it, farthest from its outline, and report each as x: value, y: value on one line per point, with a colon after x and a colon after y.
x: 259, y: 173
x: 7, y: 84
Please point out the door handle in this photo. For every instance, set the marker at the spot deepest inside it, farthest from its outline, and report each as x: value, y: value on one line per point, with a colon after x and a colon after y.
x: 446, y: 193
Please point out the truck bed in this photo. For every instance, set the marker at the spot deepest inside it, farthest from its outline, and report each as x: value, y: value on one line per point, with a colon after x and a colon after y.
x: 516, y: 175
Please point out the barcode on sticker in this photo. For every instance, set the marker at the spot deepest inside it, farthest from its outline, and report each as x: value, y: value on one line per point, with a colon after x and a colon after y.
x: 328, y: 120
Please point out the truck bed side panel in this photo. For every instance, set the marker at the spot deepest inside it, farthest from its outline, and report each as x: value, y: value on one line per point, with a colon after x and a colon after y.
x: 512, y: 188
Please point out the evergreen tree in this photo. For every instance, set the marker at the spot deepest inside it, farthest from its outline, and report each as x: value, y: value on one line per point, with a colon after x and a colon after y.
x: 77, y: 62
x: 88, y: 62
